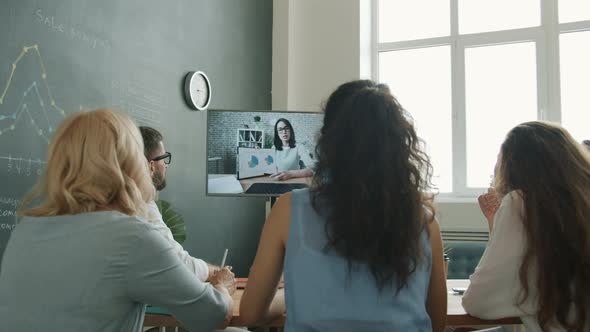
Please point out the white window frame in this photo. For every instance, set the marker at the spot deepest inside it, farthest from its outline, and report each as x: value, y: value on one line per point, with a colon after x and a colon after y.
x: 546, y: 39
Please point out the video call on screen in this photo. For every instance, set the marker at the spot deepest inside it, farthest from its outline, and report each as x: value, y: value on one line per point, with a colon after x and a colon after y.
x: 240, y: 145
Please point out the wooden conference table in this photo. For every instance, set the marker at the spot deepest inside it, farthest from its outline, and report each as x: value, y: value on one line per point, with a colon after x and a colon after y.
x: 456, y: 315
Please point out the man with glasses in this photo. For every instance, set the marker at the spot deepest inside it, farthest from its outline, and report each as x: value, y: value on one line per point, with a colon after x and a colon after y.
x: 159, y: 159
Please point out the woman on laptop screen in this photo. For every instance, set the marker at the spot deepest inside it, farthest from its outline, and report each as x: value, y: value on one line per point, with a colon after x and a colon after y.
x: 292, y: 160
x: 361, y: 248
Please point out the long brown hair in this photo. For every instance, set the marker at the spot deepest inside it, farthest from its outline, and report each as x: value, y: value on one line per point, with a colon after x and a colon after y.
x: 552, y: 173
x: 369, y: 182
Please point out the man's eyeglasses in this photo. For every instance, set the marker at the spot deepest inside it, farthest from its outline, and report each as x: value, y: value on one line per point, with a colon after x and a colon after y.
x: 167, y: 157
x: 283, y: 129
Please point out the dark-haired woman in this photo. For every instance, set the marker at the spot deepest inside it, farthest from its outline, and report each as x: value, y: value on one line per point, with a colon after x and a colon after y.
x: 361, y: 248
x: 292, y: 160
x: 537, y: 263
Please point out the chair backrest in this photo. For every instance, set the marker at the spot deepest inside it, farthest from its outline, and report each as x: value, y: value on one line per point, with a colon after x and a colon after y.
x: 464, y: 257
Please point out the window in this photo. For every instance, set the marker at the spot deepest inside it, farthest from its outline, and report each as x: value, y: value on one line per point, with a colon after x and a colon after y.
x: 470, y: 70
x: 574, y: 59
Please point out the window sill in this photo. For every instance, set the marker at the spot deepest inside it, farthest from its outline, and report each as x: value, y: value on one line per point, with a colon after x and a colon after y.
x: 450, y: 198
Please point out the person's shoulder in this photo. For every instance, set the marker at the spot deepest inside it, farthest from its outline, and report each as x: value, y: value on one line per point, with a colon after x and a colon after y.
x: 110, y: 224
x: 511, y: 213
x: 140, y: 232
x: 121, y: 224
x: 283, y: 200
x: 514, y: 195
x: 282, y: 207
x: 131, y: 222
x: 300, y: 196
x: 431, y: 225
x: 514, y: 200
x: 152, y: 204
x: 154, y: 216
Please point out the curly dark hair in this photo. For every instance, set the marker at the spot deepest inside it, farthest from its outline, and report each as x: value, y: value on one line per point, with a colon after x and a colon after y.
x: 551, y: 172
x: 370, y: 180
x: 277, y: 139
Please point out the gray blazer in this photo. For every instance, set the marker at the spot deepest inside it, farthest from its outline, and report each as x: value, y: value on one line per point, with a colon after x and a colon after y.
x: 95, y: 272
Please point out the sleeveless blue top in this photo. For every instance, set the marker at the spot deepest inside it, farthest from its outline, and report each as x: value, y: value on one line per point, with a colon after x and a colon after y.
x: 321, y: 295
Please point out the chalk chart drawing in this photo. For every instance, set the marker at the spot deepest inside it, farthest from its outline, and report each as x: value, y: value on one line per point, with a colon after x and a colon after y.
x: 35, y: 104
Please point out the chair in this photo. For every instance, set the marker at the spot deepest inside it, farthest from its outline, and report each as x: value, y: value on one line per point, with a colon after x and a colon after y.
x: 464, y: 257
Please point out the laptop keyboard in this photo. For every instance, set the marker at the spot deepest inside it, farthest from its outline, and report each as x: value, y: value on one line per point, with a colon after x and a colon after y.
x: 265, y: 188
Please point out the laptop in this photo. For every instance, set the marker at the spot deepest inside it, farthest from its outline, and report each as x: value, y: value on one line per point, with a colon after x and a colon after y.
x: 273, y: 188
x: 253, y: 162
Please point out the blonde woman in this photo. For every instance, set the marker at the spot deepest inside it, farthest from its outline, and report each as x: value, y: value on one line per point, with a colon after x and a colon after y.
x: 83, y: 259
x: 537, y: 263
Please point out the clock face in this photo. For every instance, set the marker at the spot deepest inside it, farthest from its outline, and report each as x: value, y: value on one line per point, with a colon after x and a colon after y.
x: 197, y: 89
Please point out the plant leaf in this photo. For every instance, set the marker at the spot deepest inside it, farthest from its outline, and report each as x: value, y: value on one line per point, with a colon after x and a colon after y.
x: 173, y: 220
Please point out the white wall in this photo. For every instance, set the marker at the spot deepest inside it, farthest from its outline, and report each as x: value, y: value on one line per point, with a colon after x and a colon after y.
x: 320, y: 52
x: 461, y: 215
x: 280, y: 55
x: 319, y: 44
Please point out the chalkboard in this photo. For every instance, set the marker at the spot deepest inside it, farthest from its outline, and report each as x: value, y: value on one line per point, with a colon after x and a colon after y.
x: 60, y: 57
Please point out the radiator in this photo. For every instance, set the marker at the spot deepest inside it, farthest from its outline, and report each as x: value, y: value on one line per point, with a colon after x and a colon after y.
x: 464, y: 235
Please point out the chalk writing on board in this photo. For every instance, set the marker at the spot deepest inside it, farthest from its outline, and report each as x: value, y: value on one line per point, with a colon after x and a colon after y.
x: 144, y: 104
x: 69, y: 31
x: 23, y: 166
x: 7, y: 226
x: 9, y: 201
x: 8, y: 206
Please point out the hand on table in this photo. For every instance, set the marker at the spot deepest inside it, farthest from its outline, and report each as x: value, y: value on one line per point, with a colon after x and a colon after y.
x: 224, y: 277
x: 283, y: 175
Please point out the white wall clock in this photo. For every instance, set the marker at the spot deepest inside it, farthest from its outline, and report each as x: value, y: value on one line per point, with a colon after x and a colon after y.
x: 197, y: 90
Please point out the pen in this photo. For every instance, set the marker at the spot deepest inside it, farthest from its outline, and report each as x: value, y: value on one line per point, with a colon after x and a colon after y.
x: 223, y: 259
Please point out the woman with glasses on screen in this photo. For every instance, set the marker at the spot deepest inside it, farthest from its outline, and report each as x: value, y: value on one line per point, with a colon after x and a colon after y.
x: 292, y: 160
x: 83, y: 259
x: 537, y: 263
x: 361, y: 249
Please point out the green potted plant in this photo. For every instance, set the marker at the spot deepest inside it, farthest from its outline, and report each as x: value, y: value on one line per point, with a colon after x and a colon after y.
x: 268, y: 141
x: 173, y: 220
x: 256, y: 121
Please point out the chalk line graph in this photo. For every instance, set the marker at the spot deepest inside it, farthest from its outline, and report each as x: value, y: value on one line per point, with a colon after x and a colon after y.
x: 23, y: 107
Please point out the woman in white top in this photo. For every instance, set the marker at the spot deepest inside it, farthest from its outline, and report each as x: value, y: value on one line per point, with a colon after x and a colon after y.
x: 537, y: 263
x: 292, y: 160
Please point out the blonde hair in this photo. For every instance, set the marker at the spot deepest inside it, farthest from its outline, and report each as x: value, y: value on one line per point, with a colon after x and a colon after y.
x: 95, y: 162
